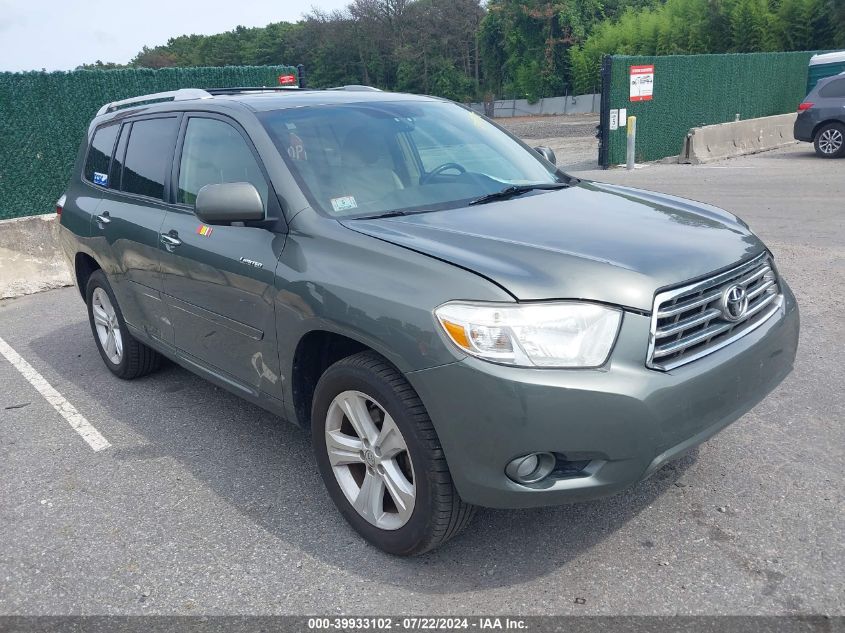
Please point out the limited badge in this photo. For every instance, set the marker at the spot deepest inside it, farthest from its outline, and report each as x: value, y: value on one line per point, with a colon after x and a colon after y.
x: 101, y: 179
x: 204, y: 230
x: 344, y: 204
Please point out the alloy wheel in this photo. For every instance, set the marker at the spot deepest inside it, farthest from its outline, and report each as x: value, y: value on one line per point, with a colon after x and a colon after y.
x: 370, y: 460
x: 107, y: 326
x: 830, y: 141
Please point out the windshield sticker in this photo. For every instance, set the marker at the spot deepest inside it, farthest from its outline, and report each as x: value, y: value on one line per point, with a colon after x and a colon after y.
x: 344, y: 204
x: 296, y: 148
x: 101, y: 179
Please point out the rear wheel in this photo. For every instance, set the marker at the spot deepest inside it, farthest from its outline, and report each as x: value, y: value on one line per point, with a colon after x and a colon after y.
x: 124, y: 356
x: 381, y: 460
x: 830, y: 141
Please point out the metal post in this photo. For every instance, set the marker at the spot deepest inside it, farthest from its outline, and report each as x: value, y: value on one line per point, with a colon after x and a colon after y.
x: 632, y: 141
x: 604, y: 113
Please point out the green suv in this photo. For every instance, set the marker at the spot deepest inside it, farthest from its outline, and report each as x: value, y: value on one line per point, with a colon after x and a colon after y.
x: 458, y: 322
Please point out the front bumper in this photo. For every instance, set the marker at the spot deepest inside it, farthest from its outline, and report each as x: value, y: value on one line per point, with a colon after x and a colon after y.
x: 625, y: 419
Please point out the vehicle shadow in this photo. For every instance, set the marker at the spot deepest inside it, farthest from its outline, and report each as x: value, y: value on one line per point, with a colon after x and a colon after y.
x: 799, y: 151
x: 263, y: 468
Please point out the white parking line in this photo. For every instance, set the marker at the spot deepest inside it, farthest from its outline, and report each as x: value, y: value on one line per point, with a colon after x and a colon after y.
x: 76, y: 420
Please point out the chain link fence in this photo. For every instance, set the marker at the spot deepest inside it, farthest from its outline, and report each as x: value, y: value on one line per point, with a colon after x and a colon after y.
x: 44, y: 118
x: 694, y: 90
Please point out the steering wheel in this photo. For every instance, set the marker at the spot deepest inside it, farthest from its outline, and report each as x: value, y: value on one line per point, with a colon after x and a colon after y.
x: 440, y: 169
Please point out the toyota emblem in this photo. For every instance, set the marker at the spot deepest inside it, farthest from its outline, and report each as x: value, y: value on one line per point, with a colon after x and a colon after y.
x: 734, y: 302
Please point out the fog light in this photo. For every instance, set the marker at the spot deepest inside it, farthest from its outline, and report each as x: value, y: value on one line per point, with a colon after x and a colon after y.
x: 530, y: 468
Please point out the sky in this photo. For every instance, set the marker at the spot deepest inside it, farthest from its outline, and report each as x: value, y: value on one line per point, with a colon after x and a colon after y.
x: 62, y: 34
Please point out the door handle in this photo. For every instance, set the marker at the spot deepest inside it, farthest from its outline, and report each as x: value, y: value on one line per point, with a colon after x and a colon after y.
x: 170, y: 240
x: 103, y: 219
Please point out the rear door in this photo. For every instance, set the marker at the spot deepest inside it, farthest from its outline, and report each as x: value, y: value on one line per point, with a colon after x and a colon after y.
x: 130, y: 216
x: 84, y: 198
x: 218, y: 280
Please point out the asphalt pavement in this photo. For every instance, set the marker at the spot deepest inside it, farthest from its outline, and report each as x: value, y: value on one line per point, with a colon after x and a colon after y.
x: 204, y: 504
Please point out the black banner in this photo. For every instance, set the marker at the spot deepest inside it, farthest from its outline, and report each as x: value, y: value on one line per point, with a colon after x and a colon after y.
x: 562, y: 624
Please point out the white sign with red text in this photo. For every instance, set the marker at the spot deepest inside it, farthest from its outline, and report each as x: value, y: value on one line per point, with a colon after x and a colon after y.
x: 642, y: 83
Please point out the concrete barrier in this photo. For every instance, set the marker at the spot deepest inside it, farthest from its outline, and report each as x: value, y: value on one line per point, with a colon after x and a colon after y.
x: 737, y: 138
x: 572, y: 104
x: 30, y: 260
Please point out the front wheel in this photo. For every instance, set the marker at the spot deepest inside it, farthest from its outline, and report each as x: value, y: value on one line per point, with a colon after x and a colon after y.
x: 381, y: 460
x: 830, y: 141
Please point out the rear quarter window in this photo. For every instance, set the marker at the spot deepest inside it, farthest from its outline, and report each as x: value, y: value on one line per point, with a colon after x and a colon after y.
x: 99, y: 155
x: 833, y: 90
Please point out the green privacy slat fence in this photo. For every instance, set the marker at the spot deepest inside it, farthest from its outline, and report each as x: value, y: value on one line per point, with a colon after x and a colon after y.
x: 694, y: 90
x: 44, y: 117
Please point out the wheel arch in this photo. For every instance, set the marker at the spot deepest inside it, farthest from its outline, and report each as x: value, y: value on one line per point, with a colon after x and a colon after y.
x: 83, y: 267
x: 315, y: 352
x: 819, y: 126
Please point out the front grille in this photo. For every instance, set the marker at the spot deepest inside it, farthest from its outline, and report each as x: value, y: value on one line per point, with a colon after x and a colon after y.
x: 695, y: 320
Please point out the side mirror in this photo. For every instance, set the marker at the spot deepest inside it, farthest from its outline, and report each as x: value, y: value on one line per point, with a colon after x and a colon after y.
x: 229, y: 202
x: 547, y: 153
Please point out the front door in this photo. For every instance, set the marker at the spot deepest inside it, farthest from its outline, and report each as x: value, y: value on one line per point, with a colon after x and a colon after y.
x: 218, y: 280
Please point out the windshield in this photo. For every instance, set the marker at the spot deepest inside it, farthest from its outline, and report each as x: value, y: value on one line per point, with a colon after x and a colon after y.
x: 366, y: 159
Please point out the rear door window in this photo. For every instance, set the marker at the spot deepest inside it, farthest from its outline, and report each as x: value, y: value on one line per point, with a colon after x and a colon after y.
x: 99, y: 155
x: 148, y: 156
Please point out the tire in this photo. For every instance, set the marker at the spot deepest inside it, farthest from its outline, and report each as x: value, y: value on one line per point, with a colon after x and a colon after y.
x: 436, y: 513
x: 125, y: 357
x: 830, y: 141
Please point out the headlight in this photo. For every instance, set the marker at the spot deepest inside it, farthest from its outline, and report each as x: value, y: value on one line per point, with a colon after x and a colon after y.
x: 559, y: 334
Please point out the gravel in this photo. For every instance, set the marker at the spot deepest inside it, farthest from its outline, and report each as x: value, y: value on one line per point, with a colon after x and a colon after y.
x: 571, y: 137
x: 569, y: 126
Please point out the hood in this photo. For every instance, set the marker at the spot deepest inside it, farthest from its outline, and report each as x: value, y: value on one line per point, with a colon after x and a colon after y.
x: 591, y: 241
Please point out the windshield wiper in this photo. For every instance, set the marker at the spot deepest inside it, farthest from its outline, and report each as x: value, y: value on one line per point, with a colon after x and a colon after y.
x: 516, y: 190
x: 507, y: 192
x: 387, y: 214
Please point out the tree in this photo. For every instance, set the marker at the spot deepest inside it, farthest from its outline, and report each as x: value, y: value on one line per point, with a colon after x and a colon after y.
x: 533, y: 44
x: 710, y: 26
x: 748, y: 27
x: 836, y: 9
x: 100, y: 65
x: 463, y: 49
x: 158, y: 57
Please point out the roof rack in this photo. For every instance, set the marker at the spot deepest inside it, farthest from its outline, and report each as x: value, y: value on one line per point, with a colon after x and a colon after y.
x: 356, y: 88
x: 228, y: 91
x: 184, y: 94
x: 188, y: 94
